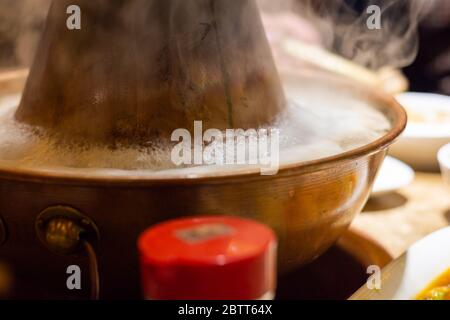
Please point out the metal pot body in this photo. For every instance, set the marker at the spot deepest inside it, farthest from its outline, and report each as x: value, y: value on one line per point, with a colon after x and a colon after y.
x: 308, y: 208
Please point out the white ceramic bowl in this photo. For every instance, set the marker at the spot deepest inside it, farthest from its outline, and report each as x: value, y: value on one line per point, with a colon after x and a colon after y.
x: 425, y: 133
x: 444, y: 161
x: 413, y: 272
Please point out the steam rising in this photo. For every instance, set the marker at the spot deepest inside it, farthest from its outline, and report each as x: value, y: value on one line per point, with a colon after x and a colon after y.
x: 343, y: 27
x: 341, y: 23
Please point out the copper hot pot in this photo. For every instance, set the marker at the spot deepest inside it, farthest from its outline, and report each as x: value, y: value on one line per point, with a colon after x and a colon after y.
x: 180, y: 69
x: 309, y: 205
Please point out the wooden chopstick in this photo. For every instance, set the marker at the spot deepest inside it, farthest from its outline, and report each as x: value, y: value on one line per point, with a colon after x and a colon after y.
x: 390, y: 80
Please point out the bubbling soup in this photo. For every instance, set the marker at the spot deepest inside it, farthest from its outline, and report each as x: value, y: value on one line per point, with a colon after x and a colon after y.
x: 311, y: 128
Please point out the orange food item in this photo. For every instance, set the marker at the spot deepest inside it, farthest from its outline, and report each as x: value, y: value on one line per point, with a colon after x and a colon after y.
x: 438, y: 289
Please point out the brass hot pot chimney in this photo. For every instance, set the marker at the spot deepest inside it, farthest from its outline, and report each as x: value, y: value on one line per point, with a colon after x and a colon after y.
x: 139, y: 69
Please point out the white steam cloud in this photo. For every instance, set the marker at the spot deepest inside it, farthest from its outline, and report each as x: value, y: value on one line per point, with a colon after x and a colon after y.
x: 342, y: 25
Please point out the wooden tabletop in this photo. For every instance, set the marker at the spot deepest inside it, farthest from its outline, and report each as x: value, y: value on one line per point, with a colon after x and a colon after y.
x: 399, y: 219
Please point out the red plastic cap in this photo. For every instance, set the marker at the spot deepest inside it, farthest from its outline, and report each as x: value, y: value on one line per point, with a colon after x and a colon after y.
x: 212, y: 258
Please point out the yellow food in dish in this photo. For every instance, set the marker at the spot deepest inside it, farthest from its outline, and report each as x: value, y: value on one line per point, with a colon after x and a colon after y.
x: 438, y: 289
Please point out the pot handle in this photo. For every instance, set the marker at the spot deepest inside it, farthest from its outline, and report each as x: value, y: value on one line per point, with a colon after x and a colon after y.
x: 93, y: 270
x: 65, y: 231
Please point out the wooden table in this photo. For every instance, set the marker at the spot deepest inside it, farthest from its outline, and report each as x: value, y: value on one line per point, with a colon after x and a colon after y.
x: 399, y: 219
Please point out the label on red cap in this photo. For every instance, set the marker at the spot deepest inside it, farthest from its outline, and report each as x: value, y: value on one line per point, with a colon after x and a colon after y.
x: 204, y: 232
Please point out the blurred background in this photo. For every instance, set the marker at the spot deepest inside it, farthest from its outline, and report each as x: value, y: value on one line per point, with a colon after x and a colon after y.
x: 316, y: 22
x: 21, y: 24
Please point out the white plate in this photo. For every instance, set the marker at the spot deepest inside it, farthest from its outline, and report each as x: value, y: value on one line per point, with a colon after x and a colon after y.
x: 393, y: 175
x: 420, y: 143
x: 444, y: 161
x: 409, y: 275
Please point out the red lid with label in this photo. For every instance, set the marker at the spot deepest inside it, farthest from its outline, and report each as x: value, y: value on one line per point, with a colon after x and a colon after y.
x: 211, y: 258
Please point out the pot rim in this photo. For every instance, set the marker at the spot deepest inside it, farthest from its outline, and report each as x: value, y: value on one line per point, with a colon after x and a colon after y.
x: 382, y: 101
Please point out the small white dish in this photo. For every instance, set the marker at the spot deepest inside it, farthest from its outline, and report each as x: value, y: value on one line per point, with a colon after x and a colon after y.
x: 427, y: 131
x: 393, y: 175
x: 444, y: 161
x: 407, y: 276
